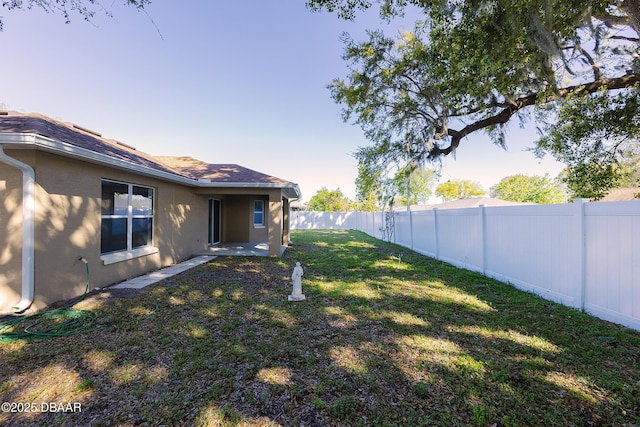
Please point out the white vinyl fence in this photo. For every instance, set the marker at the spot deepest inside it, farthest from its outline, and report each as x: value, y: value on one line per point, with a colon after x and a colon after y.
x: 583, y: 255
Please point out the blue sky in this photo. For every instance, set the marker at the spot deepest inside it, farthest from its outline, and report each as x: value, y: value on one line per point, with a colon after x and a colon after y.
x: 239, y: 81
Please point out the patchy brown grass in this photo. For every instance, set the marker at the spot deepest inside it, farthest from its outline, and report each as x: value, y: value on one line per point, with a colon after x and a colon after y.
x: 385, y: 337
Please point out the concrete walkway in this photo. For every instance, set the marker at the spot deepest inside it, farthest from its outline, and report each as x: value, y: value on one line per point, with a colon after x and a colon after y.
x: 237, y: 249
x: 155, y: 276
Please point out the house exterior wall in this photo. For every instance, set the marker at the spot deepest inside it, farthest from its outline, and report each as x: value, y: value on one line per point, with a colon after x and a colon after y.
x: 68, y: 221
x: 286, y: 217
x: 182, y: 222
x: 235, y: 216
x: 10, y: 235
x: 275, y: 223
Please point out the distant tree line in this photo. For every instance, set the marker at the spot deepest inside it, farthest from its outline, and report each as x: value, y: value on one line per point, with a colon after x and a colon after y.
x: 418, y: 186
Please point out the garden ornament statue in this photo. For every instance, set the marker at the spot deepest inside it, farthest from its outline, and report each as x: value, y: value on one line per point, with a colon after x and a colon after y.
x: 296, y: 278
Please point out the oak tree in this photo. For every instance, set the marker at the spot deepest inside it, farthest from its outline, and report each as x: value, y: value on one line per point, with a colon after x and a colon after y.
x: 477, y: 65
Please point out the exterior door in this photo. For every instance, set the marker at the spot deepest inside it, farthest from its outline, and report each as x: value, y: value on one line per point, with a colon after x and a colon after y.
x: 214, y: 221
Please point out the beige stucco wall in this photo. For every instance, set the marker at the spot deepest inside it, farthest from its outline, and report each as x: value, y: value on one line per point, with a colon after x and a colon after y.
x: 182, y: 223
x: 286, y: 229
x: 10, y: 235
x: 68, y: 198
x: 234, y: 219
x: 275, y: 223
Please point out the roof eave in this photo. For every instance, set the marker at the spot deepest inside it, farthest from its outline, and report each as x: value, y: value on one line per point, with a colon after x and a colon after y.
x: 67, y: 150
x: 23, y: 140
x: 290, y: 189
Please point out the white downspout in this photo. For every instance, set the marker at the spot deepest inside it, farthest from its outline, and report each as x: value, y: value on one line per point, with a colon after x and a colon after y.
x: 28, y: 230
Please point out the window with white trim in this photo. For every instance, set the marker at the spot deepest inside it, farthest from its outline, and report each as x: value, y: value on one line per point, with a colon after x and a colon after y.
x: 258, y: 213
x: 127, y: 217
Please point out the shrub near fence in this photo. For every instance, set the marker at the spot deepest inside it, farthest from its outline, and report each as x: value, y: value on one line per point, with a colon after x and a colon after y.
x: 583, y: 255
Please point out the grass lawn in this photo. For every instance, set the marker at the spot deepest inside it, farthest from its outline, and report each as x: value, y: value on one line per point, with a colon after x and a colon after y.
x: 386, y: 337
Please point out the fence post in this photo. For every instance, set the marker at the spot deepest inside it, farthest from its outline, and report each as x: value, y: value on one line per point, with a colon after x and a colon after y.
x: 580, y: 241
x: 411, y: 227
x: 483, y: 236
x: 393, y: 219
x: 435, y: 231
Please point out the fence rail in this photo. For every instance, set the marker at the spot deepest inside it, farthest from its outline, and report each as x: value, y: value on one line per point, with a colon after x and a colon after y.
x: 583, y: 255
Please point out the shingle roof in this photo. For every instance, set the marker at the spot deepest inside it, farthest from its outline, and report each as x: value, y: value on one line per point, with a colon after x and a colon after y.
x: 76, y: 136
x: 198, y: 169
x: 622, y: 194
x: 188, y: 167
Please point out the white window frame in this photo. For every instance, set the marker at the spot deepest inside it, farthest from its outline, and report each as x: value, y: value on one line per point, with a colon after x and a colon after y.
x: 130, y: 252
x: 260, y: 224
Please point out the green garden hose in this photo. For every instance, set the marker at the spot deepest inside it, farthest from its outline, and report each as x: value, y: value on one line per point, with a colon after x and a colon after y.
x: 51, y: 323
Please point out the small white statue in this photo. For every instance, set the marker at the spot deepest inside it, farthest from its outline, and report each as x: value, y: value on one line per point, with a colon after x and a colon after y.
x: 296, y: 278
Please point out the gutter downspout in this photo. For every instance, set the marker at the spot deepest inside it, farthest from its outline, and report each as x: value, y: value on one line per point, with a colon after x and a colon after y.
x: 28, y: 230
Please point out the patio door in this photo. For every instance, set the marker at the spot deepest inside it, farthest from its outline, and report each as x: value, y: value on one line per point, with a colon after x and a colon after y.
x: 214, y: 221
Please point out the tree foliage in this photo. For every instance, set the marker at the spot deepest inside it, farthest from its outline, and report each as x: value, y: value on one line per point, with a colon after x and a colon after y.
x: 371, y: 189
x: 529, y: 189
x: 630, y: 167
x: 459, y: 189
x: 595, y: 136
x: 375, y: 189
x: 474, y: 65
x: 86, y: 9
x: 414, y: 186
x: 330, y: 201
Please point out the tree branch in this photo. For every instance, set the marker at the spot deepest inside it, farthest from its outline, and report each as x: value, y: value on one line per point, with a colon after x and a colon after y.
x: 627, y: 39
x: 612, y: 20
x: 592, y: 63
x: 506, y: 114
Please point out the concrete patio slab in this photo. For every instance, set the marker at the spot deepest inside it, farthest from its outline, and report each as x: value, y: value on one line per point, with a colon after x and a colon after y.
x: 237, y: 249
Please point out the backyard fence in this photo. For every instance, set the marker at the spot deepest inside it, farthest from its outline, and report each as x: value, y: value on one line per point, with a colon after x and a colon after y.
x: 583, y: 255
